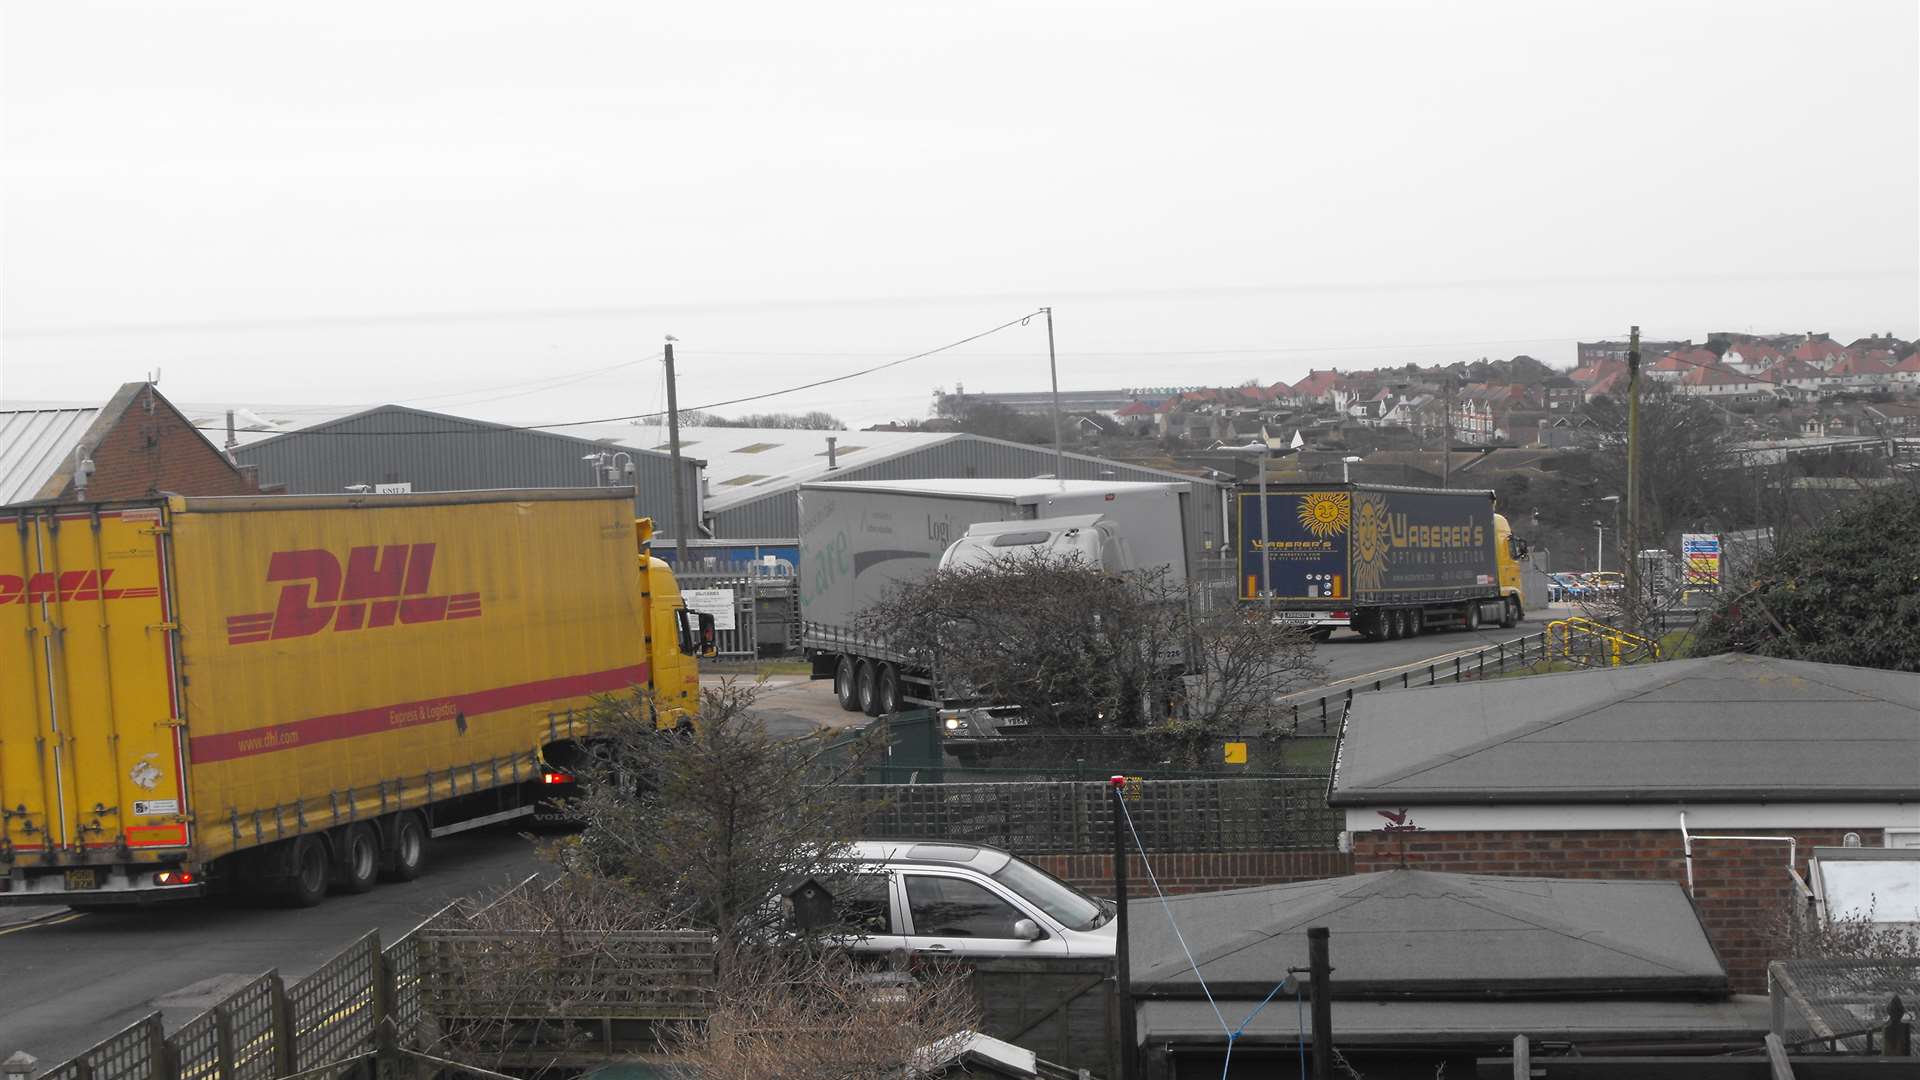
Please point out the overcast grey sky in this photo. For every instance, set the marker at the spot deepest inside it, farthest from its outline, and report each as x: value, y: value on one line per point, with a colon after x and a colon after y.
x: 440, y: 203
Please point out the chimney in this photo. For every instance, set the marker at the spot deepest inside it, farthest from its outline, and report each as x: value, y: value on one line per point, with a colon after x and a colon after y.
x: 231, y: 440
x: 833, y: 461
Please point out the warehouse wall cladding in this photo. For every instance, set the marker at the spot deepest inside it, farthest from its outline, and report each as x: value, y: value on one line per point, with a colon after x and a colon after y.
x: 394, y: 445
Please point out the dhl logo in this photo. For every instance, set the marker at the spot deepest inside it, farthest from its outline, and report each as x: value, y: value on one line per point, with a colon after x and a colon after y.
x: 70, y: 585
x: 380, y: 585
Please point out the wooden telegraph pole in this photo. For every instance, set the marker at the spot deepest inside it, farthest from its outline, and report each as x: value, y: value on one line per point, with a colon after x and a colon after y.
x: 1632, y: 542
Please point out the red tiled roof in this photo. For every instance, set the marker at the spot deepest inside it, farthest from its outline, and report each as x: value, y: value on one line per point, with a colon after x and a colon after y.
x: 1712, y: 376
x: 1606, y: 384
x: 1788, y: 370
x: 1818, y: 350
x: 1599, y: 371
x: 1911, y: 363
x: 1135, y: 408
x: 1687, y: 360
x: 1859, y: 364
x: 1759, y: 352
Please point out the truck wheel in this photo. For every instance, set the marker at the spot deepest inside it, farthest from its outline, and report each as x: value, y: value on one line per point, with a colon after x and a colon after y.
x: 889, y: 689
x: 1473, y: 615
x: 359, y: 859
x: 309, y: 872
x: 1416, y: 621
x: 1510, y: 614
x: 1396, y: 623
x: 867, y: 678
x: 408, y: 859
x: 846, y: 686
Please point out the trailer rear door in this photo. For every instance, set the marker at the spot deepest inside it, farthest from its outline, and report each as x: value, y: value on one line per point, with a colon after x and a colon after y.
x: 91, y: 754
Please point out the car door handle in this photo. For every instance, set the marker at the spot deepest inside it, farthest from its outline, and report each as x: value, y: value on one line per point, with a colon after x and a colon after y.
x: 934, y: 948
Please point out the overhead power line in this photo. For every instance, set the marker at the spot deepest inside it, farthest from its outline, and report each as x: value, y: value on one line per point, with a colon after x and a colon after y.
x: 815, y: 384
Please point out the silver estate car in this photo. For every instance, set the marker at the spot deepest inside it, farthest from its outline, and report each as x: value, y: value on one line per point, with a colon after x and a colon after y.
x: 967, y: 899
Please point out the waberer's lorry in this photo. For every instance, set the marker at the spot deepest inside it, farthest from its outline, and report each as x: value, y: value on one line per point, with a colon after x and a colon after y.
x: 1390, y: 562
x: 295, y: 693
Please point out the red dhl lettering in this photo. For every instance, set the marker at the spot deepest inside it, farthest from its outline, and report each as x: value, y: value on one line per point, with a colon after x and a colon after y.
x: 68, y: 585
x: 379, y: 587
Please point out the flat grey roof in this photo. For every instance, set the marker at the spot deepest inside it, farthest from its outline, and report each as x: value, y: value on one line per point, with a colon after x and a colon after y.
x: 1729, y: 728
x: 1415, y: 932
x: 1441, y: 1023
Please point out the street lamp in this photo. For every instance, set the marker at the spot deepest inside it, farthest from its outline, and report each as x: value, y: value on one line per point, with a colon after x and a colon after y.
x: 1261, y: 448
x: 1346, y: 463
x: 1599, y: 547
x: 1615, y: 500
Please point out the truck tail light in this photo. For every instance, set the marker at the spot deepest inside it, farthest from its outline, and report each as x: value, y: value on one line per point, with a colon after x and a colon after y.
x: 556, y: 777
x: 1340, y: 614
x: 176, y: 877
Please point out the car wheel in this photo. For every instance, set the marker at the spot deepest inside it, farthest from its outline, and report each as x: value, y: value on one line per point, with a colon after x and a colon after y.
x: 867, y: 678
x: 408, y: 859
x: 358, y: 858
x: 846, y: 688
x: 306, y: 884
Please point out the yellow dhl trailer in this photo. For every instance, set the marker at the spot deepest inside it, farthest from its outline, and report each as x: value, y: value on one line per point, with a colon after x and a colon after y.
x: 291, y: 693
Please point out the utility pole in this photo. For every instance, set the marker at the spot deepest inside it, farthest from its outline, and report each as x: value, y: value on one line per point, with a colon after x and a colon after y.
x: 1633, y: 476
x: 1053, y: 370
x: 680, y: 522
x: 1122, y: 963
x: 1446, y: 448
x: 1320, y: 972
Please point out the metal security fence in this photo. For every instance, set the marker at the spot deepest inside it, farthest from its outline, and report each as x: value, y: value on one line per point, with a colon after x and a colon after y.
x: 327, y: 1025
x: 1841, y: 1006
x: 765, y: 603
x: 1076, y: 817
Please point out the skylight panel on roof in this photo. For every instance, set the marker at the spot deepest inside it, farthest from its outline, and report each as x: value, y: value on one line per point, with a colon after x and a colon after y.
x: 742, y: 480
x: 758, y: 448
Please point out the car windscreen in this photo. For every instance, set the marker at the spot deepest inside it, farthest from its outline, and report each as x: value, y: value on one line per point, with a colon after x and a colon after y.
x: 1075, y: 909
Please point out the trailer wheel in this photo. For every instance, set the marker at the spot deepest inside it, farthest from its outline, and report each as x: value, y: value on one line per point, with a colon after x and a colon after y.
x: 408, y: 859
x: 310, y: 871
x: 867, y: 678
x: 1395, y: 622
x: 359, y: 859
x: 1473, y: 615
x: 889, y: 689
x: 1510, y: 614
x: 1416, y: 621
x: 846, y: 686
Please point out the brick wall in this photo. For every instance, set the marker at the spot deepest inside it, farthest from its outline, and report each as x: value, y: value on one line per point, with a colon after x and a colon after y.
x: 1740, y: 887
x: 1200, y: 872
x: 154, y: 449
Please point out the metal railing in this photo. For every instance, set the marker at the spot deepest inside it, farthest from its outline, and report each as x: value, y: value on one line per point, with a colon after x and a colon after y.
x: 1076, y: 817
x: 1605, y: 643
x: 1325, y: 710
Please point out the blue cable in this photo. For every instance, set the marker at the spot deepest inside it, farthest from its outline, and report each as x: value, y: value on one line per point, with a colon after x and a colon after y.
x: 1300, y: 1013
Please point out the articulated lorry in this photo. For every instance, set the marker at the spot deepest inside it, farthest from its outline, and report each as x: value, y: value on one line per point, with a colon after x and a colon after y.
x: 860, y: 539
x: 288, y: 694
x: 1390, y: 562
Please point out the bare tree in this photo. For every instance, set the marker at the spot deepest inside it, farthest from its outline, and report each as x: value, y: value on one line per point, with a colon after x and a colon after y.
x: 804, y: 1015
x: 1077, y: 648
x: 705, y: 828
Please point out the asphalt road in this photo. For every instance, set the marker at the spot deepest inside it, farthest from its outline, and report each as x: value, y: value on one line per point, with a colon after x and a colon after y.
x: 65, y: 985
x: 1347, y: 655
x: 68, y: 982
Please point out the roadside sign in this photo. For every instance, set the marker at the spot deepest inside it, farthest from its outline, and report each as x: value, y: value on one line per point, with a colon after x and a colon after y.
x: 404, y: 487
x: 715, y: 602
x: 1236, y: 753
x: 1701, y: 553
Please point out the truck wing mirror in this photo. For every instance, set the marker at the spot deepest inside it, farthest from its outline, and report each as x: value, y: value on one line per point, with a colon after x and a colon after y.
x: 687, y: 627
x: 709, y: 635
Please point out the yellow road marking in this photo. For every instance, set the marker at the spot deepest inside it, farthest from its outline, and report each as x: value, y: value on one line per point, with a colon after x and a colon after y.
x: 51, y: 920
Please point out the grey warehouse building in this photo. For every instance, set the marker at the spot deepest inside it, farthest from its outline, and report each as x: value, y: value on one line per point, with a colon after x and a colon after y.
x: 393, y: 444
x: 753, y: 475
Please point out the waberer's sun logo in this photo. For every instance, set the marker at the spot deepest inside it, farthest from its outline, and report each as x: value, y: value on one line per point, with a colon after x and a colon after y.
x: 1324, y: 513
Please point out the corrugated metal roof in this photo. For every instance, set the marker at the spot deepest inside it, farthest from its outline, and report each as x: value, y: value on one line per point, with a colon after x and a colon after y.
x: 744, y: 464
x: 34, y: 444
